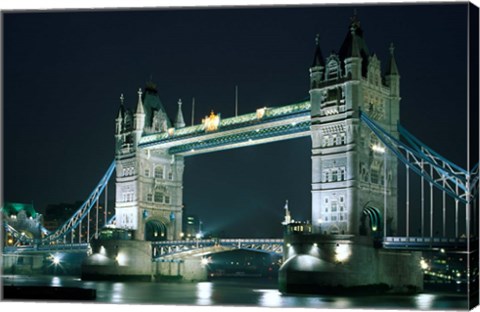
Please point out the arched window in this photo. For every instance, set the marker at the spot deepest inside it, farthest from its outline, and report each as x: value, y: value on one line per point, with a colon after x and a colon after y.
x: 159, y: 172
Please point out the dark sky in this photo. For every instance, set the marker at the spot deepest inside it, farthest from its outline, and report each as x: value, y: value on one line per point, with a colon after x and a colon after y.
x: 64, y: 72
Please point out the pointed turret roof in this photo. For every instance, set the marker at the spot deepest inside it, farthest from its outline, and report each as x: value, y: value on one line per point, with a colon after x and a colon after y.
x: 392, y: 64
x: 318, y: 59
x: 354, y: 44
x: 151, y: 104
x: 121, y: 109
x: 179, y: 121
x: 140, y: 109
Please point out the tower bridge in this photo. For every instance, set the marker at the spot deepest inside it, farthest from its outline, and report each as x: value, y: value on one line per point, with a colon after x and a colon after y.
x: 358, y: 146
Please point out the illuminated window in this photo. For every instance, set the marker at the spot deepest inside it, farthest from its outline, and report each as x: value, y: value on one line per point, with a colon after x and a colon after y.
x: 159, y: 172
x: 338, y: 140
x: 326, y: 176
x: 334, y: 206
x: 335, y: 175
x: 325, y: 141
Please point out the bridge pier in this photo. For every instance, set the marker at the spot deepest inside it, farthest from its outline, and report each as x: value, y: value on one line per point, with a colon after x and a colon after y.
x: 335, y: 263
x: 187, y: 269
x: 118, y: 259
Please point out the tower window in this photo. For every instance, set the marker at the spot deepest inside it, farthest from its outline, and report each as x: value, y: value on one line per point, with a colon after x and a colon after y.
x: 149, y: 197
x: 334, y: 206
x: 159, y: 197
x: 170, y: 175
x: 147, y: 172
x: 159, y: 172
x: 334, y: 175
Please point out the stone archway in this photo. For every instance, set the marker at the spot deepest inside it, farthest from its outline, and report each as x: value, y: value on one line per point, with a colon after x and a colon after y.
x: 155, y: 230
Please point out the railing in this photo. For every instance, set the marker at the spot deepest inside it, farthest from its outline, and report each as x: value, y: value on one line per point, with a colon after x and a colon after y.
x: 426, y: 243
x: 170, y: 248
x: 46, y: 248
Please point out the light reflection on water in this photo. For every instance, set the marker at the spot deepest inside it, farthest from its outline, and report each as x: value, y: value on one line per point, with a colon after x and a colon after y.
x: 269, y: 297
x: 424, y: 301
x: 204, y: 293
x: 56, y: 281
x: 235, y: 292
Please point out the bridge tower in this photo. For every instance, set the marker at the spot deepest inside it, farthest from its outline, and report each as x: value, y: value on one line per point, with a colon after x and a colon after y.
x: 353, y: 175
x: 149, y: 197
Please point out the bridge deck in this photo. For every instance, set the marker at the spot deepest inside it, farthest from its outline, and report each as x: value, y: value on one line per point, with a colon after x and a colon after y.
x: 266, y: 125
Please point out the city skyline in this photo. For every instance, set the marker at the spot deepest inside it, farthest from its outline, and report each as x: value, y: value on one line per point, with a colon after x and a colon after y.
x: 64, y: 73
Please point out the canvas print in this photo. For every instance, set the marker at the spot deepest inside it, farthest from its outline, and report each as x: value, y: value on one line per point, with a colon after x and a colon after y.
x: 302, y: 156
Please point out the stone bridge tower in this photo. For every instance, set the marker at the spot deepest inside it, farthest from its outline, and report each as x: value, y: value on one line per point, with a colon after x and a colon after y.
x: 148, y: 182
x: 351, y: 169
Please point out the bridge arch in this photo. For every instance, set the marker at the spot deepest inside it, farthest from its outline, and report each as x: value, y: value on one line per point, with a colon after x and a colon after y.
x: 156, y: 229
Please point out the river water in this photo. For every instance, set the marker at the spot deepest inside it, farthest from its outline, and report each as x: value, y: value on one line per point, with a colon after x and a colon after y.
x: 238, y: 292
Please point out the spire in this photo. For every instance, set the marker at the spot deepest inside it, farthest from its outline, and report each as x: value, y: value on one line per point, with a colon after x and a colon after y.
x: 288, y: 217
x: 355, y: 48
x: 318, y: 57
x: 354, y: 44
x: 121, y: 110
x: 392, y: 66
x: 179, y: 122
x: 140, y: 109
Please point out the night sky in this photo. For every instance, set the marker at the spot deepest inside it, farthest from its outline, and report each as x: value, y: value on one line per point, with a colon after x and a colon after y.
x: 64, y: 73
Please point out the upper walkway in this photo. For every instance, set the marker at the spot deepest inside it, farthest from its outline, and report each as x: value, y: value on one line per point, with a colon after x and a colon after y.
x: 215, y: 134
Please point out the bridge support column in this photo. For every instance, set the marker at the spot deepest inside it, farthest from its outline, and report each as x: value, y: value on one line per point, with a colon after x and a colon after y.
x: 118, y: 260
x: 344, y: 263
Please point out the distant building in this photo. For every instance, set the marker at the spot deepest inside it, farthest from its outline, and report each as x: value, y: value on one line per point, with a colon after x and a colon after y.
x: 24, y: 220
x: 192, y: 227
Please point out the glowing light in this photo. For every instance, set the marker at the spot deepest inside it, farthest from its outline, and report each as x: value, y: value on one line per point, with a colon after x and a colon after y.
x: 342, y: 253
x: 171, y: 131
x: 205, y: 261
x: 315, y: 245
x: 374, y: 228
x: 442, y: 250
x: 261, y: 112
x: 121, y: 259
x: 211, y: 122
x: 319, y: 221
x: 56, y: 260
x: 424, y: 264
x: 378, y: 148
